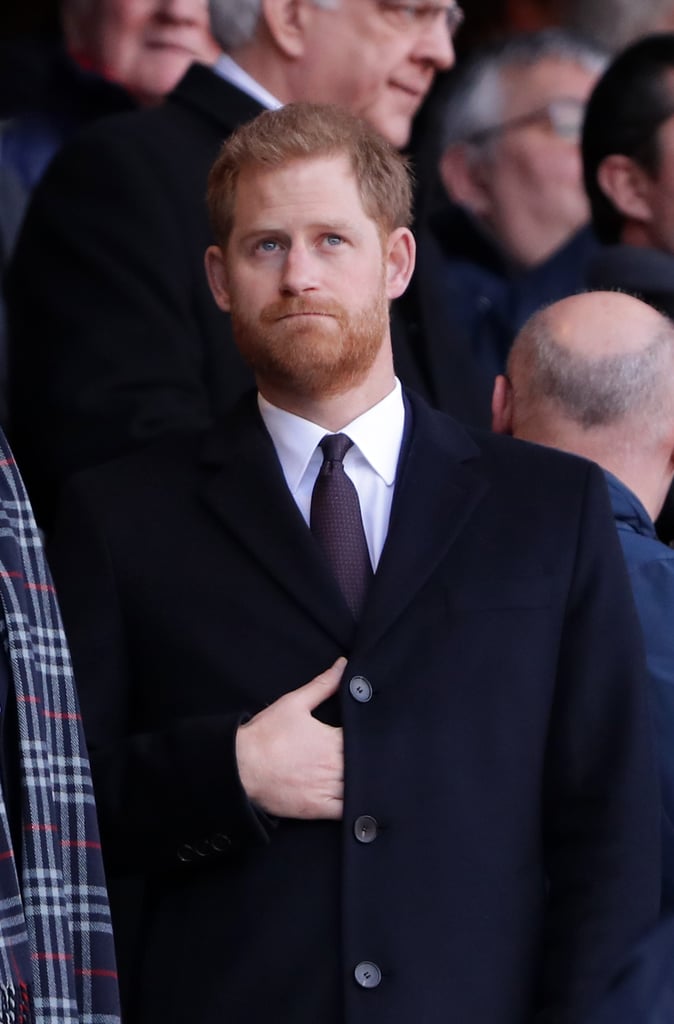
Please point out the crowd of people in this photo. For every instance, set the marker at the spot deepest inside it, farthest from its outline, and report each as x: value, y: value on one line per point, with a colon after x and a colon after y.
x: 337, y: 364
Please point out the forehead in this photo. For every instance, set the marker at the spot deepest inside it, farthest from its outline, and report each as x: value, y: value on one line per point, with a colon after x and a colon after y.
x: 527, y: 86
x: 298, y: 190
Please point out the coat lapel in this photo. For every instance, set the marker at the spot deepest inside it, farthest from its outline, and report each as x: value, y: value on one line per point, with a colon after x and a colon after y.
x: 244, y: 486
x: 438, y: 487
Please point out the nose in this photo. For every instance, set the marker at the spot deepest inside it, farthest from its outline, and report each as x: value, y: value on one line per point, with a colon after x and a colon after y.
x: 298, y: 274
x: 435, y: 46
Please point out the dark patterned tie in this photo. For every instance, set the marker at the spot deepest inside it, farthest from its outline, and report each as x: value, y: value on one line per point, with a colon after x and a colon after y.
x: 337, y: 525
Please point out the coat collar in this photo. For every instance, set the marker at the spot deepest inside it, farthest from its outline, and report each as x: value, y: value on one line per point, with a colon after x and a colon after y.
x: 439, y: 484
x: 213, y: 97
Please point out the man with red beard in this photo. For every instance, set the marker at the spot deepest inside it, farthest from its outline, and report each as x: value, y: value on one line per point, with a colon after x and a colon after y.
x: 363, y: 690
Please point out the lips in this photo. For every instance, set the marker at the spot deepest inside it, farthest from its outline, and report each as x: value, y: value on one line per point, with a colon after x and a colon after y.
x: 312, y: 312
x: 171, y: 45
x: 293, y: 308
x: 416, y: 92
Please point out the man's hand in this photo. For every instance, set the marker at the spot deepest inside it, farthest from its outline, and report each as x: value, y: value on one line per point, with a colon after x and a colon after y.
x: 290, y: 764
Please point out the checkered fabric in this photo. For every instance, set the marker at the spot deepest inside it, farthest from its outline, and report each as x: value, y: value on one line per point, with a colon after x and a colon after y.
x: 57, y: 963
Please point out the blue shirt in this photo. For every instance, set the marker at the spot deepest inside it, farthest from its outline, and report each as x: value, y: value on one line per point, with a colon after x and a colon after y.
x: 650, y: 565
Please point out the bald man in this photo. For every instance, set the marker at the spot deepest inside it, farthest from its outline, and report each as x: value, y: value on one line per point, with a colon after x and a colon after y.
x: 594, y: 375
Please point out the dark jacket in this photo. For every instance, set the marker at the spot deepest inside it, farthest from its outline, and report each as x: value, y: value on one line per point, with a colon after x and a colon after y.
x: 120, y: 340
x: 650, y: 565
x: 474, y: 299
x: 504, y: 752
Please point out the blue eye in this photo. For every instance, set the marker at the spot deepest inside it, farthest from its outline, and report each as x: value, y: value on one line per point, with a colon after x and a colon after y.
x: 334, y: 239
x: 268, y: 245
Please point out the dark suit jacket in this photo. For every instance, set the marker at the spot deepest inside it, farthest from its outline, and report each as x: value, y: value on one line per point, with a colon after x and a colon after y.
x: 505, y: 747
x: 120, y: 340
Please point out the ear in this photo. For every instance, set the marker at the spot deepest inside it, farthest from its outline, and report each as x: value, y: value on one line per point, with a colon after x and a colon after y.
x: 286, y: 22
x: 627, y: 185
x: 462, y: 173
x: 502, y: 406
x: 399, y: 259
x: 216, y: 272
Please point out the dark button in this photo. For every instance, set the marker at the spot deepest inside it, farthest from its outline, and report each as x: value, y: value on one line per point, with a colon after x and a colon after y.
x: 186, y: 852
x: 360, y: 689
x: 220, y: 842
x: 365, y: 828
x: 367, y: 974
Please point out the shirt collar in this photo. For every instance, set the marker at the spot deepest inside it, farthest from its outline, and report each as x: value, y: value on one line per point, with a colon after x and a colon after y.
x: 376, y: 433
x: 234, y: 73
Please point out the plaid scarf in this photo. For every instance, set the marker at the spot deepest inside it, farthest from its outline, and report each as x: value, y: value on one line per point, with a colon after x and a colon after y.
x: 57, y: 963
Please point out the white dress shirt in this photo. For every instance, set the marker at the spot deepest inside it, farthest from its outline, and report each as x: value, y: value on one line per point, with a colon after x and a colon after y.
x: 371, y: 462
x: 235, y: 75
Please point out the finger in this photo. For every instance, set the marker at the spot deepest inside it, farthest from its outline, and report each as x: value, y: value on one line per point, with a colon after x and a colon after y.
x: 322, y: 686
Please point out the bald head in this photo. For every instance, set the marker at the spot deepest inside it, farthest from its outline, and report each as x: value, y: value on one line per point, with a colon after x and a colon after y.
x: 594, y: 375
x: 601, y: 360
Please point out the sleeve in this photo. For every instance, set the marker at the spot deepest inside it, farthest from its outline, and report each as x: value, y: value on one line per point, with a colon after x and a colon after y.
x: 653, y: 584
x: 106, y: 350
x: 601, y: 800
x: 170, y: 797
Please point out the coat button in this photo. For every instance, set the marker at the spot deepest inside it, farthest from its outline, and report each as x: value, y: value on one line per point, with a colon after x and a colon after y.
x: 186, y: 853
x: 367, y: 974
x: 202, y: 848
x: 220, y: 842
x: 360, y: 689
x: 365, y: 828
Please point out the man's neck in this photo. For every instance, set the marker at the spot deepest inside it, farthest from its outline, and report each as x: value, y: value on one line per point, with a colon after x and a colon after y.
x: 268, y: 69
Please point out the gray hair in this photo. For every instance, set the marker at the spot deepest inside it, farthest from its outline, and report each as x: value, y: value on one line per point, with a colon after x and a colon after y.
x: 233, y: 22
x: 475, y: 101
x: 614, y: 24
x: 601, y: 391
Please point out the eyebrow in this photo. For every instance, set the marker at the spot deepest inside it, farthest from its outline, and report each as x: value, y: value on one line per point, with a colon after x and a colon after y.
x: 336, y: 227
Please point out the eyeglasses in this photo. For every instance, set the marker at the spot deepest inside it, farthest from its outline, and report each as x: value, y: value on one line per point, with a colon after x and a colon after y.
x: 563, y: 116
x: 421, y: 16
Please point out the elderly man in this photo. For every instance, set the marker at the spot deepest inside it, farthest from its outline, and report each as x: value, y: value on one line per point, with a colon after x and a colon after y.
x: 121, y: 341
x: 594, y: 375
x: 459, y: 821
x: 510, y: 166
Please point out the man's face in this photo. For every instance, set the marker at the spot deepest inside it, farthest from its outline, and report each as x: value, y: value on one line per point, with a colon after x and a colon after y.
x: 305, y: 278
x: 377, y: 58
x: 147, y: 45
x: 531, y: 175
x: 657, y: 194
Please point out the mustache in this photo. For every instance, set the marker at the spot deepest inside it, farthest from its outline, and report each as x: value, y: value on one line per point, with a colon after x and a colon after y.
x: 293, y: 306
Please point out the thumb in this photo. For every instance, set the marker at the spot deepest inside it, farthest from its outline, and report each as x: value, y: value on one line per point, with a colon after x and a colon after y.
x: 322, y: 686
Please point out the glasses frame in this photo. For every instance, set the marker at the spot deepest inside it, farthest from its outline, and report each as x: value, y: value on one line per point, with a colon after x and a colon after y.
x: 553, y: 112
x: 422, y: 15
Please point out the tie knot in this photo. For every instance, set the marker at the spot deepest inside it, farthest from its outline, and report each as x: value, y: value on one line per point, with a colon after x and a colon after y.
x: 335, y: 447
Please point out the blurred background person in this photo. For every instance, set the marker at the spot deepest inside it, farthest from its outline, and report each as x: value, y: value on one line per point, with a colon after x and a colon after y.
x: 628, y: 153
x: 512, y: 191
x: 112, y: 56
x: 628, y: 157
